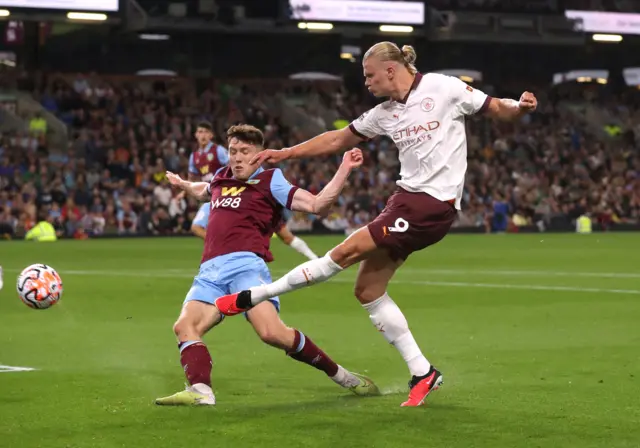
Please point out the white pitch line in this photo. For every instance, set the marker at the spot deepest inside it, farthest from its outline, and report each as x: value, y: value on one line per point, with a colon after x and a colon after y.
x: 174, y: 274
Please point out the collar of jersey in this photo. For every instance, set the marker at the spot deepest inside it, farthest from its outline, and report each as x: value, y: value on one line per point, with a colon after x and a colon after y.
x: 207, y: 148
x: 414, y: 86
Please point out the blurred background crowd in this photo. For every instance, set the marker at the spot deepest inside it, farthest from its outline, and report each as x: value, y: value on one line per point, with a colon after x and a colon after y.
x: 546, y: 170
x: 93, y: 151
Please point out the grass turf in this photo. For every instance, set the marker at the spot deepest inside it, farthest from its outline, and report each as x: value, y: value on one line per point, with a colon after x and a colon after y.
x: 538, y: 338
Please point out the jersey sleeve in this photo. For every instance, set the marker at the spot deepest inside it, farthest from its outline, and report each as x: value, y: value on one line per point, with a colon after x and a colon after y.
x: 202, y: 217
x: 223, y: 155
x: 192, y: 165
x: 281, y: 189
x: 367, y: 125
x: 466, y: 99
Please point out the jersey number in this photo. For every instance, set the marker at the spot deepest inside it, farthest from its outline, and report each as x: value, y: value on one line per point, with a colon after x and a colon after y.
x: 401, y: 225
x: 226, y: 202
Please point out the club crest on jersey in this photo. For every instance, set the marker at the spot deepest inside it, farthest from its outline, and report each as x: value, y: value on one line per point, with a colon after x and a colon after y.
x: 427, y: 104
x: 209, y: 157
x: 253, y: 181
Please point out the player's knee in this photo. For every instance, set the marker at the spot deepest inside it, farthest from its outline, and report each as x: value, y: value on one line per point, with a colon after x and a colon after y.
x: 272, y: 336
x: 345, y: 254
x: 367, y: 293
x: 184, y: 329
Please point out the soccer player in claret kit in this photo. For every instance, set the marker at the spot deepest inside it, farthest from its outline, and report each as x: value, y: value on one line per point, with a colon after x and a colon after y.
x: 200, y: 222
x: 208, y: 157
x: 246, y: 206
x: 425, y: 117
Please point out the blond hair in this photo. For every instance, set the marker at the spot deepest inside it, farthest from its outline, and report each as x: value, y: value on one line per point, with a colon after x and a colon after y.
x: 388, y: 51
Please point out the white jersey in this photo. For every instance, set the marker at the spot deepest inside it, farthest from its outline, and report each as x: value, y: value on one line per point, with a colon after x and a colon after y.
x: 428, y: 128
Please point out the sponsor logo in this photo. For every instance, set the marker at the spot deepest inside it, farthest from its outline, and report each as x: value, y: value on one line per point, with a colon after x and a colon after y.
x: 233, y: 191
x: 413, y: 131
x: 470, y: 89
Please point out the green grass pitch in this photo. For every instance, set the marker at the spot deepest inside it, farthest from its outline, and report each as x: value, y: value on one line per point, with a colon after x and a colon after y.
x: 538, y: 338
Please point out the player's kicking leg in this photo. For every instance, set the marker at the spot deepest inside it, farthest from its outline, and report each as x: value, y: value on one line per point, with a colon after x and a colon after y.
x: 358, y: 247
x: 266, y: 322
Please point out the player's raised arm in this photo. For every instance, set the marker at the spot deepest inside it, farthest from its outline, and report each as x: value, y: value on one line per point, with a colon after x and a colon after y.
x: 320, y: 204
x: 470, y: 101
x: 199, y: 190
x: 507, y: 109
x: 328, y: 143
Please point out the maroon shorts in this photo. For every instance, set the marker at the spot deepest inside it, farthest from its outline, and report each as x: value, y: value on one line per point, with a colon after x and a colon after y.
x: 411, y: 222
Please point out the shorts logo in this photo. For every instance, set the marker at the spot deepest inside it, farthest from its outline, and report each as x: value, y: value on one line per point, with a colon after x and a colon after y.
x: 427, y: 104
x: 400, y: 226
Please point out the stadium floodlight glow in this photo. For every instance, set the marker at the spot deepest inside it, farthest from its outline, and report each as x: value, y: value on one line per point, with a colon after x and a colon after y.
x: 315, y: 26
x: 607, y: 37
x: 92, y: 16
x: 466, y: 78
x: 4, y: 13
x: 346, y: 56
x: 396, y: 28
x: 154, y: 36
x: 601, y: 81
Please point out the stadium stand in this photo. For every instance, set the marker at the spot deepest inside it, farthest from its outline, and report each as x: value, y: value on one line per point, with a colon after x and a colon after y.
x: 126, y: 131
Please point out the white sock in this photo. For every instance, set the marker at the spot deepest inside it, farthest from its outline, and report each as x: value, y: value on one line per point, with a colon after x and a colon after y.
x: 204, y: 390
x: 299, y: 245
x: 345, y: 378
x: 306, y: 274
x: 389, y: 320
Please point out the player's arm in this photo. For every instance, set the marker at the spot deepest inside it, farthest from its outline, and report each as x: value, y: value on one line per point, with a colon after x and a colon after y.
x: 364, y: 128
x: 198, y: 231
x: 320, y: 204
x: 506, y: 109
x: 471, y: 101
x: 199, y: 224
x: 199, y: 190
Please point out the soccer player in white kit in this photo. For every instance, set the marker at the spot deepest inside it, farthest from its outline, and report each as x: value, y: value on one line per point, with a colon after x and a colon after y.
x: 425, y: 117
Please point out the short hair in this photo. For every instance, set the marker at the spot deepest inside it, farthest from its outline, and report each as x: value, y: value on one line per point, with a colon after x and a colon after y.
x: 247, y: 134
x: 205, y: 125
x: 388, y: 51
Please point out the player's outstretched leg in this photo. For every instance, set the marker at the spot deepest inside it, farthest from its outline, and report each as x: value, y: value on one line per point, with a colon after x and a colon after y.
x: 194, y: 321
x: 352, y: 250
x: 373, y: 278
x: 267, y: 324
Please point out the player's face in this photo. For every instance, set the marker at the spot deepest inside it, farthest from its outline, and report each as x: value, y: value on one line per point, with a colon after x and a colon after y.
x: 240, y: 154
x: 378, y: 76
x: 204, y: 136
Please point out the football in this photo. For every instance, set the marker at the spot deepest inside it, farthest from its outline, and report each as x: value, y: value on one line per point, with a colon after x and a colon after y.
x: 39, y: 286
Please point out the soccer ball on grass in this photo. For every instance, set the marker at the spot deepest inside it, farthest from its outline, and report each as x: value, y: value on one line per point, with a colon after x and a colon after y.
x: 39, y: 286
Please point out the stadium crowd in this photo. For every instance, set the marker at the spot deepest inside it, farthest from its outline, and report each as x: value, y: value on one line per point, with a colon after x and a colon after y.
x: 124, y: 134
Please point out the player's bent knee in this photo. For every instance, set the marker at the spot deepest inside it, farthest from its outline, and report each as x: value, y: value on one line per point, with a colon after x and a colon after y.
x: 367, y: 293
x: 185, y: 329
x: 273, y: 336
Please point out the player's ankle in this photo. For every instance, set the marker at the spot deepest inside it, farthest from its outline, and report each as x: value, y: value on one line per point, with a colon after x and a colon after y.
x: 202, y: 388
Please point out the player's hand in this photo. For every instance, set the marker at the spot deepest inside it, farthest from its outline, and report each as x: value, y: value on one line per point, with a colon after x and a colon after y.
x: 352, y: 159
x: 528, y: 102
x: 271, y: 156
x: 174, y: 179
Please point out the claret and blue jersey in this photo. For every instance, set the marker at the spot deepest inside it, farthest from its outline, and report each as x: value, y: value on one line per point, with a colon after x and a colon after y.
x: 244, y: 214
